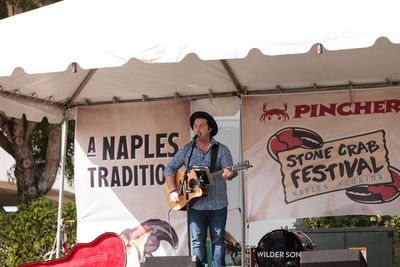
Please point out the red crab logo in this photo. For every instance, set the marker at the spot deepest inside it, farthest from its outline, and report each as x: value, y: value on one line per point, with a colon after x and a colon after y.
x: 280, y: 113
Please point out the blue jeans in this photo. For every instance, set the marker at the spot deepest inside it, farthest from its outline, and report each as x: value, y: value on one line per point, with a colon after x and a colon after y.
x: 215, y: 220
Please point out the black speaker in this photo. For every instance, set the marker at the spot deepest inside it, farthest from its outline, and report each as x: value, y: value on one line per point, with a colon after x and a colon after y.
x: 332, y: 258
x: 171, y: 261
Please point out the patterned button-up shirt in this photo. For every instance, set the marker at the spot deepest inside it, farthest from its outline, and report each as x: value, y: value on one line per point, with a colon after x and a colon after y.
x: 217, y: 196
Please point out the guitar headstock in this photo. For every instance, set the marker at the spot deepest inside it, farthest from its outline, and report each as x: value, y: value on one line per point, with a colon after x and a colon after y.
x: 242, y: 166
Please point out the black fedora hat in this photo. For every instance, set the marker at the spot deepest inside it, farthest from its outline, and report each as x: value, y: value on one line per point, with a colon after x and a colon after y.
x: 211, y: 122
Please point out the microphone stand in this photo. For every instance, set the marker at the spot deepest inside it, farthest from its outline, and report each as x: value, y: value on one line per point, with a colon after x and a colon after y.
x: 188, y: 190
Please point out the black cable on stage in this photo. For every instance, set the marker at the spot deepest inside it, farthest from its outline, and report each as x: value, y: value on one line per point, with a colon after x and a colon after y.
x: 170, y: 230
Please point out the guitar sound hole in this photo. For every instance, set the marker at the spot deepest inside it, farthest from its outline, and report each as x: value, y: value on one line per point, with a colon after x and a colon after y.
x: 192, y: 184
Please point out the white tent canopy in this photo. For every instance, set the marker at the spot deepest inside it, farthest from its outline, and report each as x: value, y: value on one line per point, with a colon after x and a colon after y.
x: 202, y: 49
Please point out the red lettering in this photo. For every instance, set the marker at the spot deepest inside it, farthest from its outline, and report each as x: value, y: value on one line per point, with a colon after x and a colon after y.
x: 379, y: 106
x: 301, y: 109
x: 342, y: 111
x: 314, y: 109
x: 330, y: 110
x: 359, y: 106
x: 393, y: 105
x: 347, y: 108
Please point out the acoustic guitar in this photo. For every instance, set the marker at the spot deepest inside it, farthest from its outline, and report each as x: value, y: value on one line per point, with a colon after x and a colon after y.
x: 197, y: 187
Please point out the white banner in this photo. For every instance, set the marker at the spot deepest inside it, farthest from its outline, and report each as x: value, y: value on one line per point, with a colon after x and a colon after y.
x: 322, y: 153
x: 120, y: 154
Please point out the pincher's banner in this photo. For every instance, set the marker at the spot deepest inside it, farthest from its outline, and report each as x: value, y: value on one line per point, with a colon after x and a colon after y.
x: 322, y: 153
x: 120, y: 154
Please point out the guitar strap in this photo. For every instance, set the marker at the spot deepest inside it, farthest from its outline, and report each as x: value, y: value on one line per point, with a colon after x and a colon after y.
x: 214, y: 153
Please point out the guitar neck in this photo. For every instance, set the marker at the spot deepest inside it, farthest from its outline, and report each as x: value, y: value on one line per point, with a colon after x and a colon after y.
x: 233, y: 168
x: 217, y: 174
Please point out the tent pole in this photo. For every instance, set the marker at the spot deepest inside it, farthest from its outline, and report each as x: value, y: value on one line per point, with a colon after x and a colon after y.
x: 242, y: 206
x: 64, y: 132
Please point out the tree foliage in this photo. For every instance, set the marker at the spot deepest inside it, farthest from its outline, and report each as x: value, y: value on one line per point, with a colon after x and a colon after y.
x: 39, y: 142
x: 3, y: 9
x: 350, y: 221
x: 40, y: 137
x: 12, y: 7
x: 33, y: 181
x: 28, y: 234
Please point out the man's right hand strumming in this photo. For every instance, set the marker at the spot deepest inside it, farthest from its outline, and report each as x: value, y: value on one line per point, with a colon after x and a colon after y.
x: 173, y: 197
x: 173, y: 194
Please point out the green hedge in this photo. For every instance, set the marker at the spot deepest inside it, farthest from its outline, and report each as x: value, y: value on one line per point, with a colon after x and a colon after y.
x: 350, y: 221
x: 28, y: 234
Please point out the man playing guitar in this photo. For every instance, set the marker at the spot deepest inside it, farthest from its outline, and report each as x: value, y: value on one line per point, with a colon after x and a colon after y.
x: 211, y: 211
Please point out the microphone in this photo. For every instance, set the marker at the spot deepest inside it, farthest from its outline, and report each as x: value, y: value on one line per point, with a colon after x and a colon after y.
x: 196, y: 135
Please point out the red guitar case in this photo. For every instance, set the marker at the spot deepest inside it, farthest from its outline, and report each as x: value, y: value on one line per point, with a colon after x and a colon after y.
x: 106, y: 250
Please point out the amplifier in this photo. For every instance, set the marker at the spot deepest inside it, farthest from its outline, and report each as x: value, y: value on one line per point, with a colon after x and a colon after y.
x: 332, y: 258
